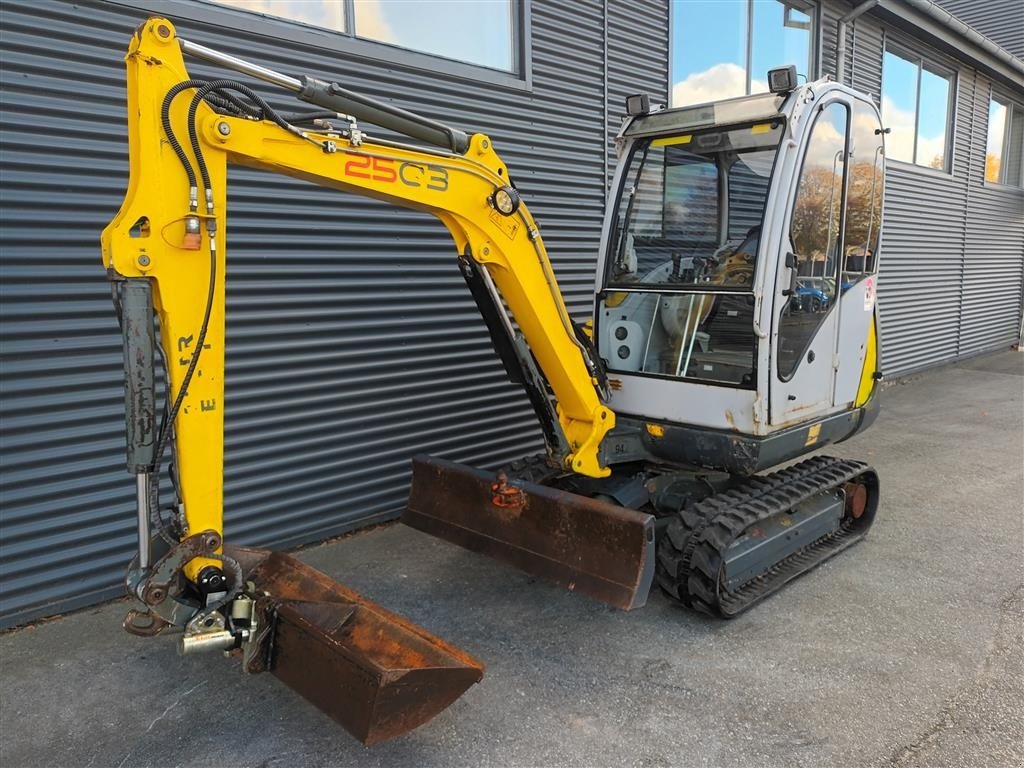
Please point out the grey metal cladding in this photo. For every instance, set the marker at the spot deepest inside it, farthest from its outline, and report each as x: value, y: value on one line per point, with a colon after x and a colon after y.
x: 1002, y: 21
x: 638, y: 62
x: 993, y: 275
x: 352, y: 341
x: 865, y: 65
x: 828, y: 17
x: 949, y: 287
x: 921, y: 260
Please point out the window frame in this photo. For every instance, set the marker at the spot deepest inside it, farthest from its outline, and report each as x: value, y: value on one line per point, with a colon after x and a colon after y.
x: 301, y: 33
x: 1012, y: 106
x: 936, y: 67
x: 814, y: 37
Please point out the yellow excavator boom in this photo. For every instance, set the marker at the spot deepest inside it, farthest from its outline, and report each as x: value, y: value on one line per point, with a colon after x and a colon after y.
x: 153, y: 236
x: 164, y: 253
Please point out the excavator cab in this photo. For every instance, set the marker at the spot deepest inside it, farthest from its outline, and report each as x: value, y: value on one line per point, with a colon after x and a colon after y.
x: 737, y: 289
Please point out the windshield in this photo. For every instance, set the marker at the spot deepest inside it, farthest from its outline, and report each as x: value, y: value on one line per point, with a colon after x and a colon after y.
x: 690, y: 208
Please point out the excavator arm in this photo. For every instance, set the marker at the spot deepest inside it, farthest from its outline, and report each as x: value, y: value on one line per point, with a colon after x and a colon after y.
x: 155, y: 237
x: 164, y: 255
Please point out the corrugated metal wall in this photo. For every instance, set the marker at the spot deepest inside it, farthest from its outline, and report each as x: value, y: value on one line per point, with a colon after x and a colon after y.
x: 637, y: 59
x: 352, y: 340
x: 951, y: 281
x: 993, y: 260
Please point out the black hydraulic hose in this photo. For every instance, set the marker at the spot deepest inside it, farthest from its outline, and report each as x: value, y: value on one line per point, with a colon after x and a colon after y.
x: 172, y: 139
x: 228, y: 103
x: 171, y: 414
x: 219, y: 91
x: 222, y: 100
x: 223, y: 86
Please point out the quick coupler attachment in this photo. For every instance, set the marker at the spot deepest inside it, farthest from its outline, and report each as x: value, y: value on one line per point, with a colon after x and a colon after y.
x: 591, y: 546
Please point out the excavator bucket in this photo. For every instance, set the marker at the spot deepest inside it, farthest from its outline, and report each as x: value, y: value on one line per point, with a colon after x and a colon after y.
x: 377, y: 674
x: 598, y: 548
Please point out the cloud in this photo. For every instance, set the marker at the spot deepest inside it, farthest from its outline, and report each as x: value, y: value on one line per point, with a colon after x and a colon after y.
x: 370, y: 22
x: 721, y: 81
x: 328, y: 15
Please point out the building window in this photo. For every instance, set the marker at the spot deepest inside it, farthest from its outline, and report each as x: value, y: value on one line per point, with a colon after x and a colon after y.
x: 481, y: 33
x: 724, y: 48
x: 916, y: 107
x: 1005, y: 145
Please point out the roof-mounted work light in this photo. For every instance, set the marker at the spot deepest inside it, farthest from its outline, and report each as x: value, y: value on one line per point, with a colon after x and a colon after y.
x: 638, y: 104
x: 782, y: 79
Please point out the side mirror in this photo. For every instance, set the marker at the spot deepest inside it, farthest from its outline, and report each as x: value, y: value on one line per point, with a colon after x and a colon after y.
x: 793, y: 263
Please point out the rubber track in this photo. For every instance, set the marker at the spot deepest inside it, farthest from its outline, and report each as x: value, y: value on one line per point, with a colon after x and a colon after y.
x: 691, y: 553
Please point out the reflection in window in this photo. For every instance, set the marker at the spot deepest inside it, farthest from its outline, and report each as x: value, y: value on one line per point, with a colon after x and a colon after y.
x: 478, y: 33
x: 724, y: 48
x: 1005, y: 146
x: 916, y: 107
x: 327, y: 14
x: 678, y: 224
x: 814, y: 234
x: 863, y: 197
x: 475, y: 32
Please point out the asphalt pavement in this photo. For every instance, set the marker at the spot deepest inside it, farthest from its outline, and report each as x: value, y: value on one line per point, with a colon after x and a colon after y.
x: 904, y: 651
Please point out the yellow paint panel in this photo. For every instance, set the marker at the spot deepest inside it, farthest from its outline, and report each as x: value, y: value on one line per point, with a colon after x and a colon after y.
x: 867, y: 374
x: 812, y: 434
x: 655, y: 430
x: 669, y: 141
x: 615, y: 299
x: 761, y: 128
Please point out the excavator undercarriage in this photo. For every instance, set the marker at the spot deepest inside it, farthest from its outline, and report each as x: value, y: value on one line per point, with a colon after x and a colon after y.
x: 714, y: 542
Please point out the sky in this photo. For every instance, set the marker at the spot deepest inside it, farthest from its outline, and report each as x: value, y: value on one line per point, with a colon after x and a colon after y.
x: 709, y: 47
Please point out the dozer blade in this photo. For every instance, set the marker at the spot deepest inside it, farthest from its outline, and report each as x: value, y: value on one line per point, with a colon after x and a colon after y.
x: 378, y: 674
x: 601, y: 549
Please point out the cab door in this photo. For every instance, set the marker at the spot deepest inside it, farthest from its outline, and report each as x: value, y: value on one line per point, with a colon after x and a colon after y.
x: 807, y: 321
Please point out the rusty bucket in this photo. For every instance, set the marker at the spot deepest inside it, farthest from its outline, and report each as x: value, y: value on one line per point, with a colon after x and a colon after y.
x: 601, y: 549
x: 376, y: 673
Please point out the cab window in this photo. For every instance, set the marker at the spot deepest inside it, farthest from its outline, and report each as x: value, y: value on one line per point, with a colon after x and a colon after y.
x: 863, y: 197
x: 815, y: 240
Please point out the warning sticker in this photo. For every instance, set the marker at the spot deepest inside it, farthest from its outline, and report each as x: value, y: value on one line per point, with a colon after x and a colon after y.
x: 869, y: 294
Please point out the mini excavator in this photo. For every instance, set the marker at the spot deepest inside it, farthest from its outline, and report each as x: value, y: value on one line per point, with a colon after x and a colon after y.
x: 734, y: 330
